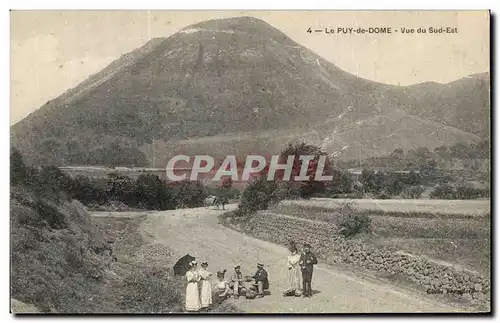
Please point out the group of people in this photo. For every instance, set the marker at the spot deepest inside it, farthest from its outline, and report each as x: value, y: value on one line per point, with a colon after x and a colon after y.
x: 199, y: 292
x: 199, y: 286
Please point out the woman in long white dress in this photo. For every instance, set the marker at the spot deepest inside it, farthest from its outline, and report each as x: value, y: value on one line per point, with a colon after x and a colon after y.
x: 192, y: 292
x: 206, y: 286
x: 293, y: 272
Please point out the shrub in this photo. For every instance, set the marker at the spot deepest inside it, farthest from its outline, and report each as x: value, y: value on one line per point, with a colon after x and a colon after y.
x: 468, y: 193
x: 341, y: 184
x: 309, y: 187
x: 372, y: 182
x: 152, y: 193
x: 393, y: 185
x: 258, y: 195
x: 120, y: 188
x: 351, y: 222
x: 87, y: 191
x: 289, y: 190
x: 413, y: 192
x: 444, y: 192
x: 190, y: 194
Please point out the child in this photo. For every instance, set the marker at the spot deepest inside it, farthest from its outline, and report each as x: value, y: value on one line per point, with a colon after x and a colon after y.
x: 206, y: 286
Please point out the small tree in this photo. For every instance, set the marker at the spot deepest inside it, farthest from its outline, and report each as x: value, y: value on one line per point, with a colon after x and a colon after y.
x: 372, y: 182
x: 310, y: 186
x: 190, y: 194
x: 393, y: 185
x: 152, y: 193
x: 258, y: 195
x: 351, y: 222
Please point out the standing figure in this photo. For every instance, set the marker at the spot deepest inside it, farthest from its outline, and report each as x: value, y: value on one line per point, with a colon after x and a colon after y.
x: 293, y: 273
x: 237, y: 281
x: 192, y: 291
x: 206, y: 286
x: 306, y: 262
x: 261, y: 280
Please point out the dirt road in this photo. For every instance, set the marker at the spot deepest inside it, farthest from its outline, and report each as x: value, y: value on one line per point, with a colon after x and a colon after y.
x: 196, y: 231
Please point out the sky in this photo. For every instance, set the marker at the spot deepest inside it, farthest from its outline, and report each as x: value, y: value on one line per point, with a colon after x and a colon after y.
x: 52, y: 51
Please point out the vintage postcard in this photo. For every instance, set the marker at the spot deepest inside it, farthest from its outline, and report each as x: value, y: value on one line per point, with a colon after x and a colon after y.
x: 208, y: 162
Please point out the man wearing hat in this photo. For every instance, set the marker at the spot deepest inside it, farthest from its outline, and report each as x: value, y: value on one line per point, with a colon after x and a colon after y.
x: 306, y: 262
x: 261, y: 280
x: 236, y: 281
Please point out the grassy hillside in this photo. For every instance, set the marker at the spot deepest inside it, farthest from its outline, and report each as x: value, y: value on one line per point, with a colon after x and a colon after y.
x: 58, y: 254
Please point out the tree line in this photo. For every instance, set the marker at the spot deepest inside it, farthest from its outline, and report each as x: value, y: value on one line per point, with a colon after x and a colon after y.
x: 419, y: 158
x: 147, y: 191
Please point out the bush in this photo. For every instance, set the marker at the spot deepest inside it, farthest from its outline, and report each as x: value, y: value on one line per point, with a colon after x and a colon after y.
x: 120, y: 188
x: 341, y: 184
x: 393, y: 185
x: 351, y: 222
x: 309, y: 187
x: 443, y: 192
x: 152, y: 193
x: 87, y: 191
x: 258, y: 195
x: 414, y: 192
x: 468, y: 193
x: 289, y: 190
x: 190, y: 194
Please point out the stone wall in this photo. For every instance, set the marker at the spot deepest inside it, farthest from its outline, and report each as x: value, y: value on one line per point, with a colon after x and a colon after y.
x: 429, y: 275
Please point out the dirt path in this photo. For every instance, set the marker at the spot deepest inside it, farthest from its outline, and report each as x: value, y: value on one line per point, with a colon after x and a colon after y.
x: 196, y: 231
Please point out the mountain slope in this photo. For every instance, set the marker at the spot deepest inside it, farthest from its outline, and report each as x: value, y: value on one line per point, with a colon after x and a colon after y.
x: 232, y: 76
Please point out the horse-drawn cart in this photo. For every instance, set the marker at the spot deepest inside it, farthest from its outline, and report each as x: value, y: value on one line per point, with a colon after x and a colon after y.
x: 213, y: 200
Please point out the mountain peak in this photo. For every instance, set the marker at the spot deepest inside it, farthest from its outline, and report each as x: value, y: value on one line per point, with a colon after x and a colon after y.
x: 233, y: 86
x: 243, y: 25
x: 235, y: 23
